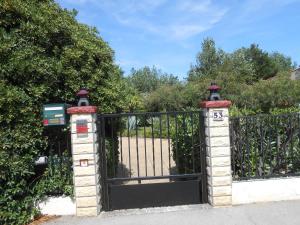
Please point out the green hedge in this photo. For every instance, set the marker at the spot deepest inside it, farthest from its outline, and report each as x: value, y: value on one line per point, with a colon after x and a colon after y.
x: 46, y: 56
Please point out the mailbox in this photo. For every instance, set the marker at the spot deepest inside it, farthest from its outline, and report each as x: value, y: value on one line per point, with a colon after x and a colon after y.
x: 42, y: 160
x: 54, y: 114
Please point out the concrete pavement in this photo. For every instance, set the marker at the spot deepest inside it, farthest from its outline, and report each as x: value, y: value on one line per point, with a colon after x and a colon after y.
x: 275, y: 213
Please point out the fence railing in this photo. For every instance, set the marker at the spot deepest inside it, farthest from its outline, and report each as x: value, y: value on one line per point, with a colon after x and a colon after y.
x: 265, y: 146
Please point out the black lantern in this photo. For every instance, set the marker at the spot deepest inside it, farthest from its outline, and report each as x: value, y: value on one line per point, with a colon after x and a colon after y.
x: 214, y: 92
x: 83, y: 97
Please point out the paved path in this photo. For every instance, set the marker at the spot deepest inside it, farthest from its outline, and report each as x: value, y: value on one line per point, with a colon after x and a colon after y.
x: 142, y: 152
x: 277, y: 213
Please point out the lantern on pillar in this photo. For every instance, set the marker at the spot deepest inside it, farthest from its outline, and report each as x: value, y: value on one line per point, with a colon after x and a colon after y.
x: 83, y: 97
x: 214, y: 92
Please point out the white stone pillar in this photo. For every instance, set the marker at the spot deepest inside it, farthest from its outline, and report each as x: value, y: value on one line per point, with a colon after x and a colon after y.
x: 218, y: 159
x: 85, y: 160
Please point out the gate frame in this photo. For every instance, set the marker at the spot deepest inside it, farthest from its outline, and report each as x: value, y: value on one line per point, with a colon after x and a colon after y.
x: 111, y: 190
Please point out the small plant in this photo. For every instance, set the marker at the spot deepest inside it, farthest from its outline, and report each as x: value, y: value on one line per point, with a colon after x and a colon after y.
x: 57, y: 178
x: 186, y: 142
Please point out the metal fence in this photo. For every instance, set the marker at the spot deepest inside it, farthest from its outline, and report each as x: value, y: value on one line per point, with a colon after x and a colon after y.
x: 151, y: 147
x: 265, y: 146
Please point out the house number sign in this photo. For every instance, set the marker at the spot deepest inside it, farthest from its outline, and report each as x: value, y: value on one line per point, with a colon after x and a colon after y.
x: 218, y: 115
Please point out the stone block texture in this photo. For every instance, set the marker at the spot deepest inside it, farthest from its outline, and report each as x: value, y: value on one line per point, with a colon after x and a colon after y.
x: 218, y: 158
x: 86, y: 175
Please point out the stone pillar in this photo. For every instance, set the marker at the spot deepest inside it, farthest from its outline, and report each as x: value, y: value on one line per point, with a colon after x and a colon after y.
x: 85, y: 160
x: 218, y: 158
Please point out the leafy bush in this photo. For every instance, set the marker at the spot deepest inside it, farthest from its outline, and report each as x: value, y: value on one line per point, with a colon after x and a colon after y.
x: 46, y: 56
x: 57, y: 179
x: 20, y: 141
x: 187, y: 141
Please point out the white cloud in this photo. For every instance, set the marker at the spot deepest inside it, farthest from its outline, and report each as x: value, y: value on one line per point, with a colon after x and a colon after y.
x: 195, y: 5
x: 176, y: 19
x: 186, y: 31
x: 246, y: 15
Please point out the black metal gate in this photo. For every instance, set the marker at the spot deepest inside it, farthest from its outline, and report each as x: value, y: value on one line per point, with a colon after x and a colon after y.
x: 152, y: 159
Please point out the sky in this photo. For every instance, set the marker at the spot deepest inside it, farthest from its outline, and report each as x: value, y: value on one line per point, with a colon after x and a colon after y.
x: 168, y: 34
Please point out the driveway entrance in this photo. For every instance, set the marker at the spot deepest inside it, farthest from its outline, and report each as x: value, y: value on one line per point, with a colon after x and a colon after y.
x: 152, y: 159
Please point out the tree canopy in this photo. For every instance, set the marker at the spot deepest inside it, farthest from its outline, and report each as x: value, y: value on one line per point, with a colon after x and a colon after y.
x: 250, y: 77
x: 146, y: 79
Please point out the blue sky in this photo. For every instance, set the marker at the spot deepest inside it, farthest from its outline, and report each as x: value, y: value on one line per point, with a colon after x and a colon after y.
x: 168, y: 33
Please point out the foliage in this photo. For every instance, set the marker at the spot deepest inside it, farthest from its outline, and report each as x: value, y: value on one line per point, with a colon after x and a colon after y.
x: 250, y: 63
x: 278, y: 111
x: 268, y: 94
x: 263, y: 65
x: 19, y: 145
x: 234, y: 111
x: 45, y: 56
x: 251, y: 78
x: 146, y: 80
x: 282, y: 62
x: 186, y: 142
x: 165, y: 98
x: 131, y: 96
x: 111, y: 144
x: 208, y: 60
x: 57, y: 179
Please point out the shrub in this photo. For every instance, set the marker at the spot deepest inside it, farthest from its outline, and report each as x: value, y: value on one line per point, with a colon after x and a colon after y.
x: 46, y: 56
x: 57, y: 179
x: 186, y: 134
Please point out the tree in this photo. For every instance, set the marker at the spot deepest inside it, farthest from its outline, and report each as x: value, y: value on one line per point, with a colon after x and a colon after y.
x: 208, y: 60
x: 266, y: 95
x: 165, y: 98
x: 282, y: 62
x: 236, y: 64
x: 263, y: 65
x: 146, y: 79
x: 46, y: 56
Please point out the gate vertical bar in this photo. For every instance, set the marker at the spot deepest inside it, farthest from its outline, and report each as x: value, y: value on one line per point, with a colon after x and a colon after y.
x: 103, y: 164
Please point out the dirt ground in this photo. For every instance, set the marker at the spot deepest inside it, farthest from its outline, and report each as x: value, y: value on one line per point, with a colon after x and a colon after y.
x: 43, y: 219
